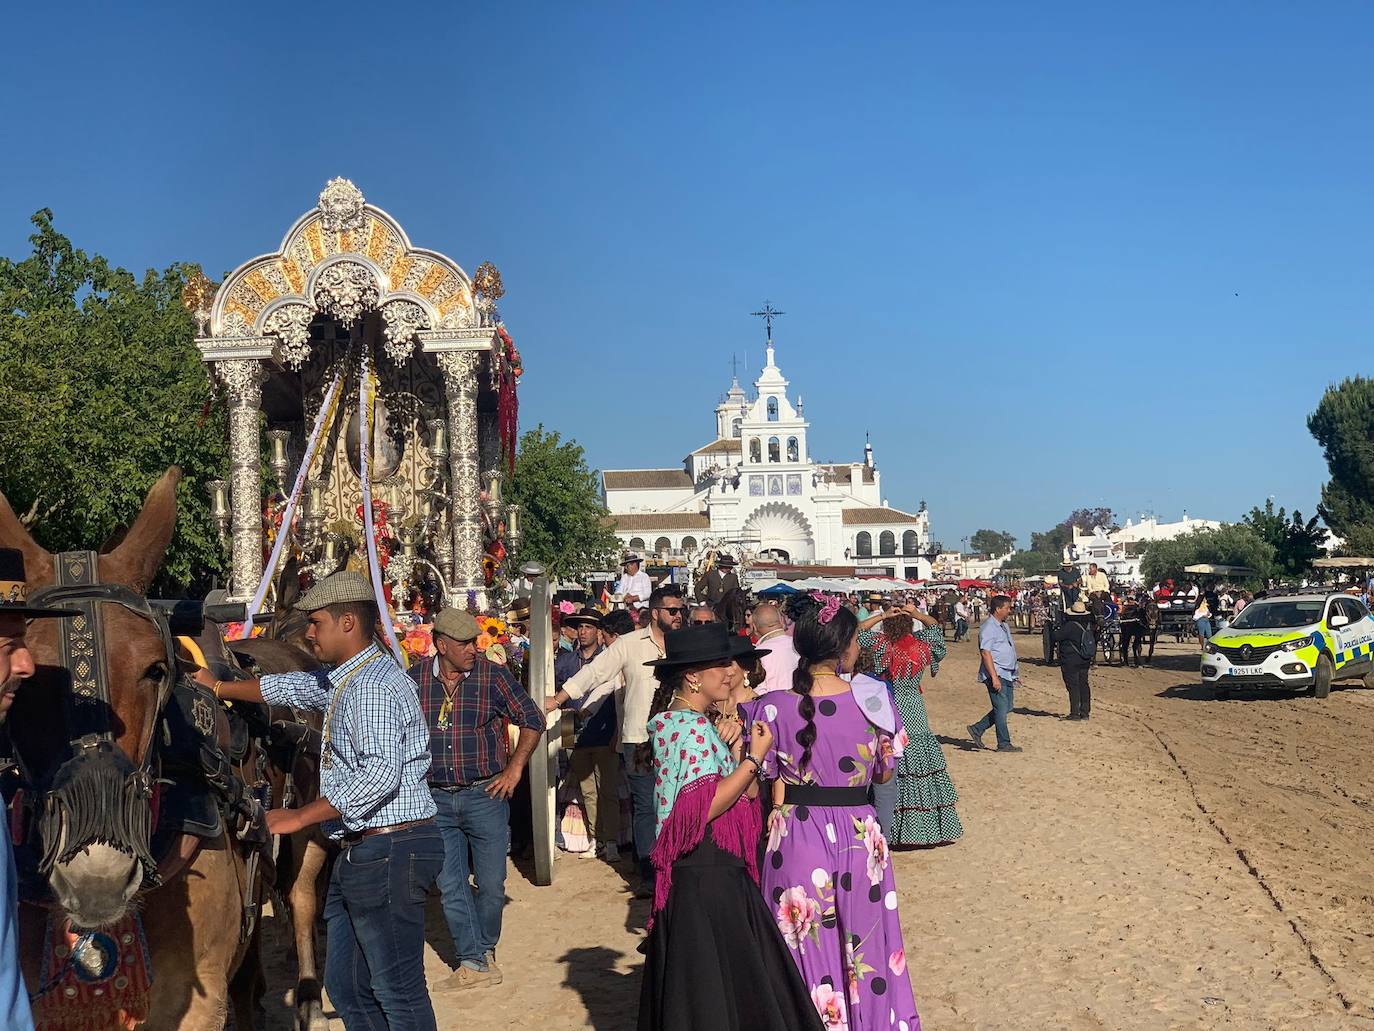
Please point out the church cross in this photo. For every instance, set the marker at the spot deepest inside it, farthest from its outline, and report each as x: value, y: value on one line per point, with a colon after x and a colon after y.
x: 768, y: 314
x: 734, y: 366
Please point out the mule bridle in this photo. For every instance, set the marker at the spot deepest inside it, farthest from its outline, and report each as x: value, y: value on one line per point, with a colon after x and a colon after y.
x: 112, y: 803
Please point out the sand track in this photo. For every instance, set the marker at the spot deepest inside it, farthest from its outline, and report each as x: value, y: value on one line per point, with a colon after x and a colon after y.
x: 1176, y: 862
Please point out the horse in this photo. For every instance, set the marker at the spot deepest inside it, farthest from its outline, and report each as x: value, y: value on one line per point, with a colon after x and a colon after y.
x: 732, y: 609
x: 89, y: 730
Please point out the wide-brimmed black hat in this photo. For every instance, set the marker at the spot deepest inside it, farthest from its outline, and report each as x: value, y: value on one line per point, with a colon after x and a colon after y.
x: 725, y: 560
x: 14, y: 589
x: 697, y: 645
x: 631, y: 557
x: 744, y: 650
x: 583, y: 617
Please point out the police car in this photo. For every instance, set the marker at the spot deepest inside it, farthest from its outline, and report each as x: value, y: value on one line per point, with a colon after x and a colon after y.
x: 1292, y: 641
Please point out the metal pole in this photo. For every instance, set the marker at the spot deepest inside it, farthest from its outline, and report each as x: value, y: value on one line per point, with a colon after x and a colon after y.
x: 543, y: 779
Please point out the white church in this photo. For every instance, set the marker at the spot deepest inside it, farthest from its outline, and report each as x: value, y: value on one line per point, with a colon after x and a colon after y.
x: 755, y: 490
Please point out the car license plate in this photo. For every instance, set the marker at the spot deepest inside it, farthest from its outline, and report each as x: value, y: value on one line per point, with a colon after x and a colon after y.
x: 1247, y: 671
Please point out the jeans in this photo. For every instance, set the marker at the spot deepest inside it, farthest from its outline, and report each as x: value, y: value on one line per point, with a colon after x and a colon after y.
x: 644, y: 808
x: 1075, y: 676
x: 470, y: 820
x: 1002, y: 702
x: 960, y: 628
x: 374, y: 967
x: 885, y: 803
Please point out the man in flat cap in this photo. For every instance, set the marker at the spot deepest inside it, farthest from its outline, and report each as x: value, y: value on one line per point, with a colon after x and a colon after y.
x: 16, y: 666
x: 373, y: 800
x: 466, y: 701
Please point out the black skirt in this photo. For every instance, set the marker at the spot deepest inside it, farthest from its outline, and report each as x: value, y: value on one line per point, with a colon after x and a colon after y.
x: 715, y: 960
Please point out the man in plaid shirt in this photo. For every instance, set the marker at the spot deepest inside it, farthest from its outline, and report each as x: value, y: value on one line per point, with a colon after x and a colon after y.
x: 467, y: 702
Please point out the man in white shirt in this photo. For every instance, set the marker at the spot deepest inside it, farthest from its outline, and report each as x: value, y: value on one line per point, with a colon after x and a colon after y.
x: 635, y: 586
x: 1096, y: 581
x: 782, y: 657
x: 627, y: 658
x: 961, y: 614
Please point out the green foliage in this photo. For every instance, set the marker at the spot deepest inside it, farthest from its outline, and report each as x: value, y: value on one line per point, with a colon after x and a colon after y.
x: 104, y: 390
x: 1053, y: 541
x: 992, y: 542
x: 1033, y: 563
x: 1234, y: 544
x: 1295, y: 542
x: 563, y: 523
x: 1343, y: 425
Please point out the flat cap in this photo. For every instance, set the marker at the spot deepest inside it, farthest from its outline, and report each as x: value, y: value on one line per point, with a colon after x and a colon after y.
x: 344, y: 586
x: 456, y: 624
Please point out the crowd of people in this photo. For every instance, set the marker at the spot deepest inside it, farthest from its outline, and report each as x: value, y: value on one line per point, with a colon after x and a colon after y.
x: 757, y: 776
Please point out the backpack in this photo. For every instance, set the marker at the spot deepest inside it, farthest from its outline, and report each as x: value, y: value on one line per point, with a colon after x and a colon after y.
x: 1085, y: 646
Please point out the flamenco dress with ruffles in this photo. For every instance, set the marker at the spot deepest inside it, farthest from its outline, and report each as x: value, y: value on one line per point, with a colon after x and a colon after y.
x: 714, y: 959
x: 925, y: 812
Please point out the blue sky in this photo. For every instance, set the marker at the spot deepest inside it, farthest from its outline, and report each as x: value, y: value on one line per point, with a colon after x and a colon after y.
x: 1050, y: 255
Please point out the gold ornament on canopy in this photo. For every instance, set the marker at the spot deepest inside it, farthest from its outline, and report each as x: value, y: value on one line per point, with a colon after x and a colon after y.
x: 198, y: 295
x: 488, y: 281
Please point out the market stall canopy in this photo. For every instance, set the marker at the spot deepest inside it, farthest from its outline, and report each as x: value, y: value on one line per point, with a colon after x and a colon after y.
x: 1207, y: 569
x: 777, y: 589
x: 1350, y: 562
x: 964, y: 585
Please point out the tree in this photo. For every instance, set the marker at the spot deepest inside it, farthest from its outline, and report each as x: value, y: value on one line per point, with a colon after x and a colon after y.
x: 992, y: 542
x: 564, y: 525
x: 1234, y: 544
x: 104, y: 389
x: 1295, y: 542
x: 1054, y: 540
x: 1034, y: 563
x: 1090, y: 518
x: 1343, y: 425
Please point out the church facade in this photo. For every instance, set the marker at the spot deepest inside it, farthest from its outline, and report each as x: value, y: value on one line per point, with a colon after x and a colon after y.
x: 755, y: 491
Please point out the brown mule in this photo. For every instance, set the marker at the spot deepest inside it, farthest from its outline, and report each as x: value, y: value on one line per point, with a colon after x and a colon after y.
x: 192, y: 919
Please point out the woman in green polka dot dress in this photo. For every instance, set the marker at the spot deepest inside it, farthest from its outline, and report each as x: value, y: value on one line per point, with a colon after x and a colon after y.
x: 924, y: 812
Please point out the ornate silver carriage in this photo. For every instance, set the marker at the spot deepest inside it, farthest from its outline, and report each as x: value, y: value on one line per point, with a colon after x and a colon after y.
x: 376, y: 382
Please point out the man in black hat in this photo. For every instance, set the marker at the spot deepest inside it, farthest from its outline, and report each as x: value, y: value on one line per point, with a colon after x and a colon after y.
x: 16, y: 666
x: 719, y: 581
x: 635, y: 586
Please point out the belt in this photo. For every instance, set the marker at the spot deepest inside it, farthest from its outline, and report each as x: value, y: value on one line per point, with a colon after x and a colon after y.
x: 814, y: 794
x: 357, y: 836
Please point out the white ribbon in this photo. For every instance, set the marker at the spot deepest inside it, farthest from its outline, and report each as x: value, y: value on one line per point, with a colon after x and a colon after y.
x: 364, y: 460
x: 270, y: 569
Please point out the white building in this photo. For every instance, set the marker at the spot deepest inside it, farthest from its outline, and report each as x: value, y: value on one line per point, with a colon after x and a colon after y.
x: 755, y: 489
x: 1119, y: 552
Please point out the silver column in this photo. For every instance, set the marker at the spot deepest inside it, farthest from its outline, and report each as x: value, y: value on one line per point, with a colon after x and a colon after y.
x: 543, y: 763
x: 243, y: 379
x: 465, y: 485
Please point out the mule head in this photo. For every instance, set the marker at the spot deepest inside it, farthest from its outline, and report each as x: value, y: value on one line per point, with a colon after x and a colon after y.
x: 95, y: 860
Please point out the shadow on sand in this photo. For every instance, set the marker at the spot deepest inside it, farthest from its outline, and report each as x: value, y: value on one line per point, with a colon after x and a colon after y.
x: 610, y: 996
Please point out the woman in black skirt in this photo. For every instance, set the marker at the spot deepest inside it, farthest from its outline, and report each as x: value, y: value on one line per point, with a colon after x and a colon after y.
x: 714, y: 959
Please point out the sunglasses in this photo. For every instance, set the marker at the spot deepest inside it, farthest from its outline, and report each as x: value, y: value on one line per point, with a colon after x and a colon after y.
x: 672, y: 608
x: 701, y: 620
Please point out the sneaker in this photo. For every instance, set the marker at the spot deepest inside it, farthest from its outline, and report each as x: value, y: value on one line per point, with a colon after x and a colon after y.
x: 1010, y: 748
x: 492, y: 968
x: 610, y: 852
x: 976, y: 734
x: 587, y: 853
x: 465, y: 977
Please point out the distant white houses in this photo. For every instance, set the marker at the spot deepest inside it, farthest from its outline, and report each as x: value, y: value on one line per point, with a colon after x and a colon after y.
x: 1118, y: 553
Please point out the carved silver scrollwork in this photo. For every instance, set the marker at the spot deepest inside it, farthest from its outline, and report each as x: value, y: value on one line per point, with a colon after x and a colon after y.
x: 401, y: 321
x: 341, y: 205
x: 460, y: 387
x: 291, y: 324
x: 459, y: 318
x: 243, y: 379
x: 345, y: 290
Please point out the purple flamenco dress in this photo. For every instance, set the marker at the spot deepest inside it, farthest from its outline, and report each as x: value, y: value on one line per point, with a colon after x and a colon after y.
x: 826, y: 871
x: 713, y: 961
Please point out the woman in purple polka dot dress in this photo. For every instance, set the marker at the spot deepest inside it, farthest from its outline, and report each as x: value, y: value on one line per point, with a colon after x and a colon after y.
x: 826, y: 872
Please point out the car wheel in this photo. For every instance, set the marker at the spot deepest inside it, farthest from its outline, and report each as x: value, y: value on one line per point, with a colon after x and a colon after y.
x: 1368, y: 680
x: 1321, y: 677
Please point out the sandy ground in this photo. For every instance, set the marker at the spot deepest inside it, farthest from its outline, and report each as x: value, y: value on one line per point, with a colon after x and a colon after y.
x: 1176, y: 862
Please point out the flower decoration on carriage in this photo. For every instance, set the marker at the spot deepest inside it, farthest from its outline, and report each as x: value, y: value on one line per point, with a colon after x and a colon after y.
x: 419, y: 642
x: 511, y: 354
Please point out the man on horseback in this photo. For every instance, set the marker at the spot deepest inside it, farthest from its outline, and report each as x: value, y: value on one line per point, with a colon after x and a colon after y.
x: 719, y: 581
x: 16, y: 666
x: 373, y: 799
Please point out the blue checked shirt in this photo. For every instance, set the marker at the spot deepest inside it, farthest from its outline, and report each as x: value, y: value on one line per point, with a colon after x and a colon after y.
x: 377, y: 737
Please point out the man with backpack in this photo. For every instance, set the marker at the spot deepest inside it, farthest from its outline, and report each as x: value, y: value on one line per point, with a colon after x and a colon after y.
x: 1077, y: 646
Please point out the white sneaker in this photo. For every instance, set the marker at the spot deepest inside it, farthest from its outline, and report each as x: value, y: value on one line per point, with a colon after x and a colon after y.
x: 587, y: 853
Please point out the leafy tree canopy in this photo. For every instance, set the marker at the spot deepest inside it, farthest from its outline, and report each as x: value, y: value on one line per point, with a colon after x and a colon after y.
x: 1343, y: 425
x: 992, y: 542
x: 1235, y: 544
x: 1295, y: 542
x: 104, y: 390
x: 1034, y: 563
x: 1054, y: 540
x: 564, y: 525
